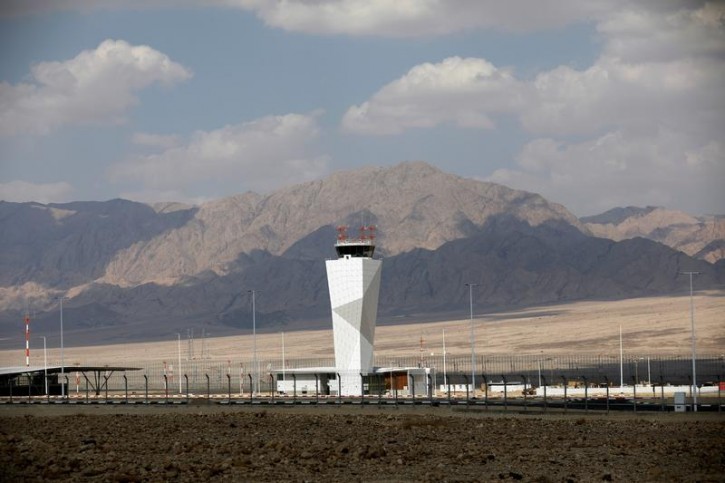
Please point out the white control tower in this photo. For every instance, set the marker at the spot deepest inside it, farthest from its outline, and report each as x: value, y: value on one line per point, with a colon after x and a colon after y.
x: 354, y: 283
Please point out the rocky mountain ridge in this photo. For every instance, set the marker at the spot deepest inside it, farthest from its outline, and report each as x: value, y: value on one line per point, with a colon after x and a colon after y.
x: 699, y: 236
x: 138, y: 271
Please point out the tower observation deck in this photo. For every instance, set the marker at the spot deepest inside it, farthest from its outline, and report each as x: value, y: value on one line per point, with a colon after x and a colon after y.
x: 354, y: 283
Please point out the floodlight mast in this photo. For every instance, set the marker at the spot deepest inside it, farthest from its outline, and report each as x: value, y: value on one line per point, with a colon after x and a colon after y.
x: 694, y: 349
x: 473, y: 340
x: 62, y: 359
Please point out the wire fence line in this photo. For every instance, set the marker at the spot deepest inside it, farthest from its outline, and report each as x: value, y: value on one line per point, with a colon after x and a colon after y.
x: 237, y: 376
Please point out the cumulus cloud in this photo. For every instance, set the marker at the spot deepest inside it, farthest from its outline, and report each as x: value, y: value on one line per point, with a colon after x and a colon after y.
x: 22, y: 191
x: 618, y: 169
x: 416, y: 18
x: 164, y: 141
x: 95, y: 86
x: 640, y: 123
x: 259, y: 155
x: 463, y: 91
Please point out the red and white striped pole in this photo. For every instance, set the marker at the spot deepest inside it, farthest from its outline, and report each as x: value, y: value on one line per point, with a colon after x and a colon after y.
x: 27, y: 341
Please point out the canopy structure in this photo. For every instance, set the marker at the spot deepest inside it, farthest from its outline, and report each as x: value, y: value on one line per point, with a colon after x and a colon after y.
x: 98, y: 379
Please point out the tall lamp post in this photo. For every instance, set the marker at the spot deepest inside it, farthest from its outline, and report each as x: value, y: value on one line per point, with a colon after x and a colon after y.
x: 254, y: 341
x: 694, y: 352
x: 45, y: 361
x: 178, y: 335
x: 473, y: 340
x: 62, y: 359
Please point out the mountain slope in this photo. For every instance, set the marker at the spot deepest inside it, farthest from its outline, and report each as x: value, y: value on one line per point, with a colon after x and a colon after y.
x: 134, y: 271
x: 702, y: 237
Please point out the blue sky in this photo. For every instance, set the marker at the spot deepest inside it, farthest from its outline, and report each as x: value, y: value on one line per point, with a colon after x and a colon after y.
x: 593, y: 105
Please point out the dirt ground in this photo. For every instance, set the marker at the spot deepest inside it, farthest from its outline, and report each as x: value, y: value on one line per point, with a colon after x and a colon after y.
x: 198, y: 443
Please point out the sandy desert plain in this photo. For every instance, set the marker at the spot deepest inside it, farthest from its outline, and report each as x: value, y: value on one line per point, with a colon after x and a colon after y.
x: 650, y: 326
x: 201, y: 442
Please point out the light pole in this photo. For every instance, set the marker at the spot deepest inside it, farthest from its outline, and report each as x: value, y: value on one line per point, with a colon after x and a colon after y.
x: 45, y: 361
x: 178, y: 335
x: 445, y: 375
x: 283, y: 361
x: 62, y: 359
x: 694, y: 352
x: 473, y: 340
x: 254, y: 340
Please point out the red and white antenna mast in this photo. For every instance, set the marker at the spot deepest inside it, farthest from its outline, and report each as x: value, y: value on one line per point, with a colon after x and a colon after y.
x: 341, y: 233
x: 27, y: 340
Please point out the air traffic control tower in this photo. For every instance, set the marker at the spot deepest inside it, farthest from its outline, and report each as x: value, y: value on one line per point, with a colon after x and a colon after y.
x: 354, y: 283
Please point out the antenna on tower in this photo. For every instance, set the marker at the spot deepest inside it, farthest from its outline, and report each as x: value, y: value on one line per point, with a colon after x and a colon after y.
x: 341, y: 233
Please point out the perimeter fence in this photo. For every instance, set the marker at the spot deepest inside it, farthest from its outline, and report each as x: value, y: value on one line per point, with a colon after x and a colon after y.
x: 237, y: 376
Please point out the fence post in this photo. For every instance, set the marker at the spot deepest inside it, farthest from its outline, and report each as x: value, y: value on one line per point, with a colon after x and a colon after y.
x: 505, y: 393
x: 251, y: 388
x: 543, y: 378
x: 166, y: 388
x: 272, y: 386
x: 381, y: 387
x: 47, y: 392
x: 465, y: 378
x: 229, y: 387
x: 566, y: 401
x: 186, y: 378
x: 485, y: 394
x: 606, y: 381
x: 105, y: 383
x: 10, y: 386
x: 586, y: 394
x: 362, y: 390
x: 526, y: 407
x: 294, y: 389
x: 86, y: 378
x: 317, y: 389
x: 662, y: 392
x: 339, y: 389
x: 66, y: 386
x: 719, y: 386
x: 208, y: 389
x: 125, y: 387
x: 146, y: 385
x: 448, y: 388
x: 634, y: 393
x: 430, y: 387
x: 412, y: 387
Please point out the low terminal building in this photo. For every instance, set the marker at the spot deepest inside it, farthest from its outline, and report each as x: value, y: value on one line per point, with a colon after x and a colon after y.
x: 380, y: 381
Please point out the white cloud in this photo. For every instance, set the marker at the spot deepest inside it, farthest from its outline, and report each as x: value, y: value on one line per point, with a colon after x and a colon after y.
x: 156, y: 140
x: 617, y: 169
x: 463, y: 91
x: 642, y: 125
x: 418, y: 18
x: 22, y: 191
x: 260, y: 155
x: 95, y: 86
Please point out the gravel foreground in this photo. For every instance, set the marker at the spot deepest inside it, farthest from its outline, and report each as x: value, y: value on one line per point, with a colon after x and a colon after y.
x: 339, y: 444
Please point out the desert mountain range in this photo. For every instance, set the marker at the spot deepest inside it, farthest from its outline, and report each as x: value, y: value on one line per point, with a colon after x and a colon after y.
x: 134, y: 271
